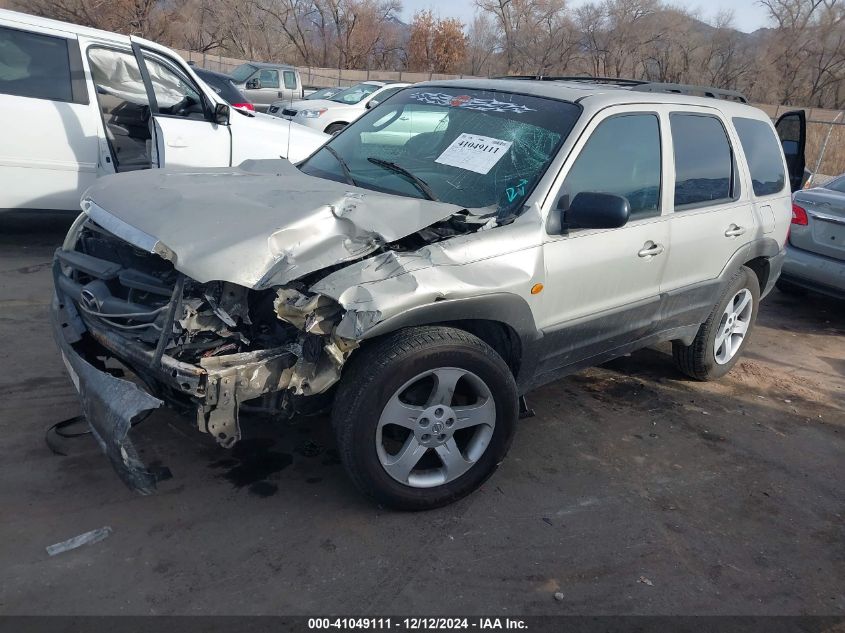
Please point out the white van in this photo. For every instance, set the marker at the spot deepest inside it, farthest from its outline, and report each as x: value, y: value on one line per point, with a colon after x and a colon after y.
x: 78, y: 103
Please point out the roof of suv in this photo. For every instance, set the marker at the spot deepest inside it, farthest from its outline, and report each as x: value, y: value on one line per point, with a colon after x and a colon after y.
x: 597, y: 93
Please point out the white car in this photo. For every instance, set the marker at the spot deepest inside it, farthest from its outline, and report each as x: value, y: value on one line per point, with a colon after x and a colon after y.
x: 78, y: 103
x: 335, y: 113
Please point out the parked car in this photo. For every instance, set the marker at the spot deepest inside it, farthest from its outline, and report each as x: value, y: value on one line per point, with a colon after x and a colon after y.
x: 223, y: 86
x: 333, y: 114
x: 419, y: 281
x: 322, y: 93
x: 264, y: 83
x: 815, y: 253
x: 78, y: 103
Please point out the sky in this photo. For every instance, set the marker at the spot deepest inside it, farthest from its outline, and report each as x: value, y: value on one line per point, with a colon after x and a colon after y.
x: 748, y: 15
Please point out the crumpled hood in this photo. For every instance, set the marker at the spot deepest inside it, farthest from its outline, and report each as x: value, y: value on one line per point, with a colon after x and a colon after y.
x: 261, y: 224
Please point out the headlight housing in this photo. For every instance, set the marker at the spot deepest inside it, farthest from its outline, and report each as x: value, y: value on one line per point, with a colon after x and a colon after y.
x: 312, y: 114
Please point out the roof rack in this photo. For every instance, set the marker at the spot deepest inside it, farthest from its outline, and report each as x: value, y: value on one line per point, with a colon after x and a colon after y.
x: 686, y: 89
x: 584, y: 78
x: 643, y: 86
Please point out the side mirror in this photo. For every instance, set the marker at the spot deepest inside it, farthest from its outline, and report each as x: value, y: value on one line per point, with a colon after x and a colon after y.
x: 221, y: 114
x: 372, y: 103
x: 253, y: 84
x: 589, y: 210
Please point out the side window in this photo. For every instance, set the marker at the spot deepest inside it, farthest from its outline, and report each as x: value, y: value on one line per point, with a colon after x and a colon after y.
x: 175, y: 94
x: 34, y: 65
x: 269, y: 78
x: 622, y: 156
x: 763, y: 153
x: 124, y: 105
x: 290, y: 79
x: 704, y: 166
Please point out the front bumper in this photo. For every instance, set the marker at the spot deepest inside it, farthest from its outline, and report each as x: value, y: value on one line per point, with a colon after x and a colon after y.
x: 814, y: 272
x: 108, y: 403
x: 215, y: 388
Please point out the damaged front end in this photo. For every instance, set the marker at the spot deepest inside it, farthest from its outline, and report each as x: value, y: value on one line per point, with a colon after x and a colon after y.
x: 204, y: 348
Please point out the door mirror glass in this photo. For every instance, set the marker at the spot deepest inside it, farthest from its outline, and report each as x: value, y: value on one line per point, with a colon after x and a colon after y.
x: 593, y: 210
x: 221, y: 114
x: 253, y: 84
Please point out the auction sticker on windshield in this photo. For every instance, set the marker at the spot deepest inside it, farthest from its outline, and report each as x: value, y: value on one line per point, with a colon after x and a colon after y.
x: 474, y: 153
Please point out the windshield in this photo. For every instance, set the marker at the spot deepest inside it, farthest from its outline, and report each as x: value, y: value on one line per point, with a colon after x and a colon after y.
x: 355, y: 94
x: 242, y: 72
x: 472, y: 148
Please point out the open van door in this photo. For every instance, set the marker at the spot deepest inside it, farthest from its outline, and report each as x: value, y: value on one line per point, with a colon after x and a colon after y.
x: 185, y: 131
x: 792, y: 131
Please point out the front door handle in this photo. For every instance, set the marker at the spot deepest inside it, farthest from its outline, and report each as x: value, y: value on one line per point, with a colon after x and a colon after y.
x: 650, y: 249
x: 734, y: 231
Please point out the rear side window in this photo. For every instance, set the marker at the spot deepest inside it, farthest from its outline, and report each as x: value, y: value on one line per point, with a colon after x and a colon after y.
x: 34, y: 65
x: 763, y: 153
x: 269, y: 78
x: 622, y: 156
x: 290, y: 79
x: 704, y: 167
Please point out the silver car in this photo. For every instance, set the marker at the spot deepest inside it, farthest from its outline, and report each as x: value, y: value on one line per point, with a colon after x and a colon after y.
x: 815, y: 254
x: 455, y: 247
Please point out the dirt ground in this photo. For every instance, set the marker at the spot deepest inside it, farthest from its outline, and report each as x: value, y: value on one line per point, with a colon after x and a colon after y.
x: 633, y: 490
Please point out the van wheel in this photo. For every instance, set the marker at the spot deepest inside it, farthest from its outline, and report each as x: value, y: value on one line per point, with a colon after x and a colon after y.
x: 722, y: 337
x: 334, y: 128
x: 424, y: 416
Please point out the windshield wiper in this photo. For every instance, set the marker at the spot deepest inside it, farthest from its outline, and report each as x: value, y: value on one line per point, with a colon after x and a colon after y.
x: 421, y: 184
x: 346, y: 173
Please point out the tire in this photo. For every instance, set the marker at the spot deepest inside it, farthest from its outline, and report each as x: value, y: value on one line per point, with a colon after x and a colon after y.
x: 702, y: 359
x: 334, y: 128
x: 788, y: 288
x: 422, y: 361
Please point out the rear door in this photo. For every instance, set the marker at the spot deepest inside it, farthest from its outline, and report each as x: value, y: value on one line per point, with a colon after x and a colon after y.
x: 48, y: 142
x: 185, y: 135
x: 712, y: 213
x: 792, y: 131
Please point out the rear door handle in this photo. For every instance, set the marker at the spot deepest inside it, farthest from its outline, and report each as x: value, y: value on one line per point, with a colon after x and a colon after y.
x: 734, y: 231
x: 650, y: 249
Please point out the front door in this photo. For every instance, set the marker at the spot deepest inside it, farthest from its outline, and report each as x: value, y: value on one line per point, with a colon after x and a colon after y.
x: 603, y: 285
x: 185, y: 136
x: 263, y: 88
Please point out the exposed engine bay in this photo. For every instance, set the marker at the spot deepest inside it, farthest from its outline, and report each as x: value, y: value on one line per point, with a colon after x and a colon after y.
x: 217, y: 346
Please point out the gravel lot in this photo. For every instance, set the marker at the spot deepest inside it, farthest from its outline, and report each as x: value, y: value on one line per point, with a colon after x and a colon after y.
x: 633, y: 490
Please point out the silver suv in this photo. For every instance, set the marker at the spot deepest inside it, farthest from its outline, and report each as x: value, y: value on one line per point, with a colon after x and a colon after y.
x: 456, y: 247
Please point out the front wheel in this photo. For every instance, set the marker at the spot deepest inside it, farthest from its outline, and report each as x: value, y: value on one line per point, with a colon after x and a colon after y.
x: 722, y: 337
x: 424, y: 416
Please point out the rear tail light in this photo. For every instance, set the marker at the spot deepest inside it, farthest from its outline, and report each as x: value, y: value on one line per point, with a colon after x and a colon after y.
x: 244, y: 106
x: 799, y: 215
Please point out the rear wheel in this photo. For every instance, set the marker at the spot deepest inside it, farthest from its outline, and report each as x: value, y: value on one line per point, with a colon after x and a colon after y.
x: 722, y: 337
x: 424, y: 416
